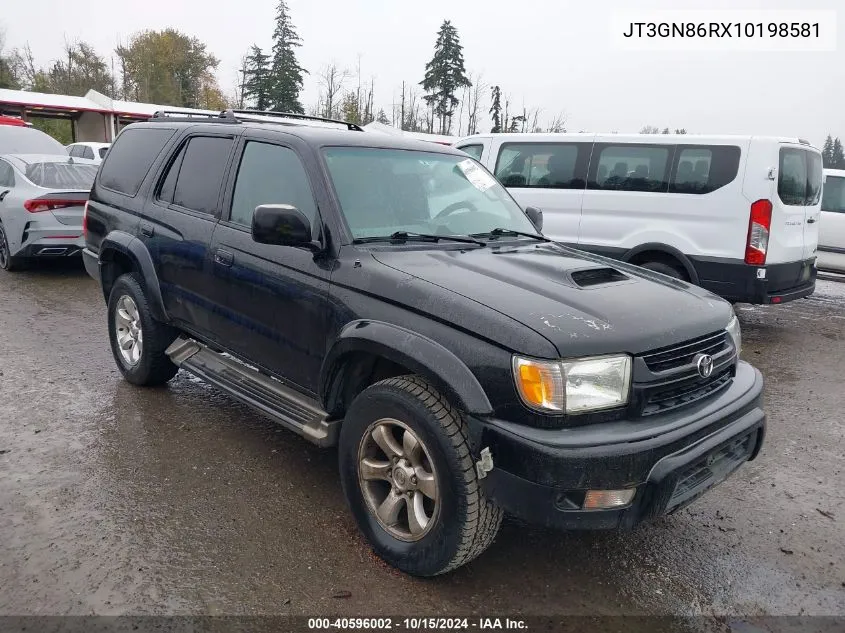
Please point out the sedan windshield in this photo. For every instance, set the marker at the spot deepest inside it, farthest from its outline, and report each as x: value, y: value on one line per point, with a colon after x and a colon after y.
x: 385, y: 191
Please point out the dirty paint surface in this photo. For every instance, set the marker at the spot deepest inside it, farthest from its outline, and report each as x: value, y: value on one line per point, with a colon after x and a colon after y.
x: 115, y: 499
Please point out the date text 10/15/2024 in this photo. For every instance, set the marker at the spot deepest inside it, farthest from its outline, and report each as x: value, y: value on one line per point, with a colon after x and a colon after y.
x: 418, y: 624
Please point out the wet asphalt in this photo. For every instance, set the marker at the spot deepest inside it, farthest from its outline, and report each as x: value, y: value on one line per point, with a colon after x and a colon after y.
x: 115, y: 499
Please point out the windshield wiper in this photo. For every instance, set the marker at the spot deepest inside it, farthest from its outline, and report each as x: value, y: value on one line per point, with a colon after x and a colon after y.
x: 404, y: 236
x: 499, y: 232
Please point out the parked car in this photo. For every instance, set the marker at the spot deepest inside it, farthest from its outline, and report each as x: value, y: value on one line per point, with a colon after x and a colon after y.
x: 27, y: 140
x: 832, y: 225
x: 733, y: 214
x: 13, y: 120
x: 90, y: 150
x: 388, y: 296
x: 42, y: 197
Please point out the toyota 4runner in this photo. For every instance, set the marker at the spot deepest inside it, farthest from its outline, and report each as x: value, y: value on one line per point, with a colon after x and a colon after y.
x: 390, y: 298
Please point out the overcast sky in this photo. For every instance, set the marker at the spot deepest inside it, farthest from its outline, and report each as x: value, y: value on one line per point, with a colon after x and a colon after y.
x: 552, y: 54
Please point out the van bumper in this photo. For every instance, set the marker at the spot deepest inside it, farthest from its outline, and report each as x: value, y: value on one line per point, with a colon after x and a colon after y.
x: 736, y: 281
x: 542, y: 475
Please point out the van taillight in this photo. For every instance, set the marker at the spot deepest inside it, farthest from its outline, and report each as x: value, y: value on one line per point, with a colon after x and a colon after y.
x: 85, y: 221
x: 758, y: 233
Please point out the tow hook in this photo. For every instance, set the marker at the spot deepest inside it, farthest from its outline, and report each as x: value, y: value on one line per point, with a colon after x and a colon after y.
x: 485, y: 464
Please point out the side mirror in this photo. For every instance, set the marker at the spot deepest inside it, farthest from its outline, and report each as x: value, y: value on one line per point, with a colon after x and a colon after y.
x: 536, y: 217
x: 283, y: 225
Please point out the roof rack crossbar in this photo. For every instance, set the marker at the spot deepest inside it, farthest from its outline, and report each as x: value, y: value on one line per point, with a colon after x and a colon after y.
x: 354, y: 127
x: 181, y: 114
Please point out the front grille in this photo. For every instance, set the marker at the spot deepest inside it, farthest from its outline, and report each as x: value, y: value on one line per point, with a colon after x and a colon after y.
x: 679, y: 355
x: 709, y: 471
x: 661, y: 400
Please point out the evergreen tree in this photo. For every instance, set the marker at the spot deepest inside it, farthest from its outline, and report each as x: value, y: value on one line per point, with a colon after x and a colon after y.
x: 827, y: 153
x: 837, y: 156
x: 285, y: 72
x: 257, y: 84
x: 382, y: 117
x: 445, y: 75
x: 665, y: 130
x: 496, y: 109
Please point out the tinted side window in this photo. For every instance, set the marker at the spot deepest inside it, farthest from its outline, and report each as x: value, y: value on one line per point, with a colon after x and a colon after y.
x: 103, y: 151
x: 473, y: 150
x: 630, y: 167
x: 87, y: 152
x: 549, y: 165
x: 131, y: 157
x: 270, y: 174
x: 168, y: 187
x: 702, y: 169
x: 834, y: 194
x: 201, y: 173
x: 799, y: 177
x: 7, y: 175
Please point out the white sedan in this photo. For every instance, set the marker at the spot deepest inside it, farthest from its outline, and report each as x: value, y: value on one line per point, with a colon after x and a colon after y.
x: 831, y: 254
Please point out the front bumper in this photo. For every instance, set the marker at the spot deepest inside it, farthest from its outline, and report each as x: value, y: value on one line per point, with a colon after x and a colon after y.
x: 541, y: 475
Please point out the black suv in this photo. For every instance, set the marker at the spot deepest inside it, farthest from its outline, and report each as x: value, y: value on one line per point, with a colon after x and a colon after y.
x: 389, y: 297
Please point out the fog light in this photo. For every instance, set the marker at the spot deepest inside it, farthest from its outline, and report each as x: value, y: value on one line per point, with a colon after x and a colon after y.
x: 604, y: 499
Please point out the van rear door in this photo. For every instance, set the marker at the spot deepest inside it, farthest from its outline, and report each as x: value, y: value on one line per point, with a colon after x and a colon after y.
x: 794, y: 233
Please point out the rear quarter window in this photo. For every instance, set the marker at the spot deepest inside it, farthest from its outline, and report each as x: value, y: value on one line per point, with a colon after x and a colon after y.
x: 130, y: 158
x: 700, y: 169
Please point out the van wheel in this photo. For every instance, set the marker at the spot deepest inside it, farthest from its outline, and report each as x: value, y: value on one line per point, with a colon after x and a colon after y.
x: 410, y: 479
x: 137, y: 340
x: 667, y: 269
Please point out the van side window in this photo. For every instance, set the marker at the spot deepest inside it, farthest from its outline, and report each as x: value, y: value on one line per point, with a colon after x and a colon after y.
x: 543, y: 165
x: 473, y: 150
x: 701, y: 169
x: 630, y: 167
x: 799, y: 177
x: 834, y: 194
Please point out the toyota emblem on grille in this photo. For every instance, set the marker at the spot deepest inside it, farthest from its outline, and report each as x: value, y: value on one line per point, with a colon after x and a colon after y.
x: 704, y: 365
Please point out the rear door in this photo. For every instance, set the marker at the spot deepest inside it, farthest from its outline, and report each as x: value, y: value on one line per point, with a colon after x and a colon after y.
x: 832, y: 224
x: 179, y: 223
x: 550, y: 176
x: 793, y: 236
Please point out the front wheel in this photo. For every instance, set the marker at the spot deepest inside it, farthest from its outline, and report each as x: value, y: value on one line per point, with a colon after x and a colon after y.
x: 138, y: 341
x: 410, y: 479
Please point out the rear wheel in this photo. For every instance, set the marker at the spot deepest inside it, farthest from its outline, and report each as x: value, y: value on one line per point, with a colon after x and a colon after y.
x: 410, y: 479
x: 667, y: 269
x: 7, y: 262
x: 138, y: 341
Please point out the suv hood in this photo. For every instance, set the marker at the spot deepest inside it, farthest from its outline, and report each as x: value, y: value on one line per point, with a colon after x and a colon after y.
x: 583, y: 304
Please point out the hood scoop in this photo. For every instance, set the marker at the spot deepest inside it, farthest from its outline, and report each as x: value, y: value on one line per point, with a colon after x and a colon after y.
x: 597, y: 277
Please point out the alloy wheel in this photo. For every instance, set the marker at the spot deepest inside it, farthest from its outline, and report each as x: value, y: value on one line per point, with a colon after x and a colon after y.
x: 130, y: 336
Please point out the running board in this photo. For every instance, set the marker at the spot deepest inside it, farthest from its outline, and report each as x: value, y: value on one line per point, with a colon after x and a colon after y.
x: 294, y: 411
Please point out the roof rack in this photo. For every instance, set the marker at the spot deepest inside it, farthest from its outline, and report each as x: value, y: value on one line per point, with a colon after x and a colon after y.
x: 187, y: 116
x: 264, y: 114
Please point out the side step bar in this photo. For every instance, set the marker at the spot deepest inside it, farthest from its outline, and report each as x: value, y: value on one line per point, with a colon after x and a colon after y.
x: 291, y: 409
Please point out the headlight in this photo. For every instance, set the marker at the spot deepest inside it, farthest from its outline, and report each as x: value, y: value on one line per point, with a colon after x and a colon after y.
x: 573, y: 386
x: 735, y: 333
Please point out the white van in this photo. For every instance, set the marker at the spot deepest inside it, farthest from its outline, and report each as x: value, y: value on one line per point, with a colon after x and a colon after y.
x: 832, y: 225
x: 737, y: 215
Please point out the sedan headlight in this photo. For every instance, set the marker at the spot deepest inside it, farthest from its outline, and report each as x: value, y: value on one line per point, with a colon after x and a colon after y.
x: 573, y: 386
x: 735, y: 333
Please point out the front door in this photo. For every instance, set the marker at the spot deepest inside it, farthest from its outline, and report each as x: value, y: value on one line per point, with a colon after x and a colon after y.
x: 271, y: 299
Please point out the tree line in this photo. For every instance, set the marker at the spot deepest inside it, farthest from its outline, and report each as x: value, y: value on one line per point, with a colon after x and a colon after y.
x: 833, y: 156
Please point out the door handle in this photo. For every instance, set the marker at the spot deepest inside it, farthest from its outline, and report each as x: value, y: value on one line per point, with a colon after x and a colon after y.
x: 224, y: 258
x: 4, y: 194
x: 147, y: 229
x: 811, y: 220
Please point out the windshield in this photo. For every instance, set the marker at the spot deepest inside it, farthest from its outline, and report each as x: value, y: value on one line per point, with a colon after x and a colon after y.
x: 383, y: 191
x: 834, y: 194
x: 61, y: 175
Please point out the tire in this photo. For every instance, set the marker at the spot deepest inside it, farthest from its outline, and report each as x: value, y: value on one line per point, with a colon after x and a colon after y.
x: 151, y: 367
x: 464, y: 523
x: 7, y: 261
x: 667, y: 269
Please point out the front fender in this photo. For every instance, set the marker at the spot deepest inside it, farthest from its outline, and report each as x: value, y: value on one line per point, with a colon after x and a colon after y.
x: 418, y: 353
x: 120, y: 243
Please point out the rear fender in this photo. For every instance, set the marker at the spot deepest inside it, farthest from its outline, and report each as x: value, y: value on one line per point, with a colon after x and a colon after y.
x: 120, y: 245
